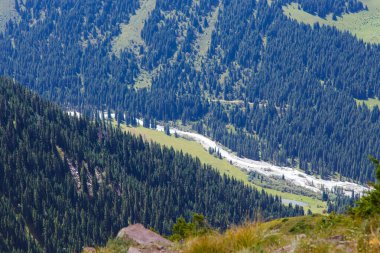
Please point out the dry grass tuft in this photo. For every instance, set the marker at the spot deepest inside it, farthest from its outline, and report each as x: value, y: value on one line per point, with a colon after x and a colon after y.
x: 311, y: 234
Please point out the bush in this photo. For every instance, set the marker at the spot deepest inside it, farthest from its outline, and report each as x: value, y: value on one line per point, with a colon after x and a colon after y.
x: 197, y: 227
x: 369, y: 205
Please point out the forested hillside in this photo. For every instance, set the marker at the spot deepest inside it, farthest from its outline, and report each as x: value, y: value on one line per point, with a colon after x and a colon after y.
x: 285, y: 90
x: 66, y: 182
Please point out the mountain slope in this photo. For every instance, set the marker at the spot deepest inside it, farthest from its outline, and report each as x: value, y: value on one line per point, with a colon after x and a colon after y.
x: 67, y: 182
x: 287, y: 90
x: 357, y: 231
x: 312, y: 234
x: 309, y: 234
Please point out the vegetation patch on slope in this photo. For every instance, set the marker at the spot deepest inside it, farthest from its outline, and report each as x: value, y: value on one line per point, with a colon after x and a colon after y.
x: 130, y: 39
x: 130, y: 35
x: 203, y: 41
x: 364, y: 24
x: 7, y: 12
x: 370, y: 102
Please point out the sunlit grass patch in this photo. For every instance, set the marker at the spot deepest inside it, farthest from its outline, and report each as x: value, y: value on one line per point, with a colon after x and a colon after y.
x: 223, y: 166
x: 364, y: 25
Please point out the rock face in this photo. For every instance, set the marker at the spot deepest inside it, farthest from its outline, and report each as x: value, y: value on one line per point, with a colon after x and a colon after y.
x: 146, y: 240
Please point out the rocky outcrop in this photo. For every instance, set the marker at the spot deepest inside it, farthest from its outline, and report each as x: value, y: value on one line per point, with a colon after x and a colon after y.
x: 89, y: 250
x: 145, y: 240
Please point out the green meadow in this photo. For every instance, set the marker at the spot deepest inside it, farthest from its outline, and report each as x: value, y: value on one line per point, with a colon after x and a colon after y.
x: 223, y: 166
x: 365, y: 25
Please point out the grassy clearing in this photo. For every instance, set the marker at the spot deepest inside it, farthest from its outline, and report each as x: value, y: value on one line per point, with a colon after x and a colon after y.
x: 7, y: 12
x: 228, y: 102
x: 223, y: 166
x: 315, y: 233
x: 130, y: 38
x: 190, y: 147
x: 370, y: 102
x: 113, y: 246
x: 144, y: 80
x: 231, y: 128
x: 203, y: 41
x: 60, y: 152
x: 364, y: 25
x: 131, y: 32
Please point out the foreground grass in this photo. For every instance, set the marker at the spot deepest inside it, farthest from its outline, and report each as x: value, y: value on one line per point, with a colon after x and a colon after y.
x: 223, y: 166
x: 307, y: 234
x: 364, y: 24
x: 114, y: 246
x: 317, y: 233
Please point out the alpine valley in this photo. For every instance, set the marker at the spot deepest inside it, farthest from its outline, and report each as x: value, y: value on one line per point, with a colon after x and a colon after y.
x: 190, y: 117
